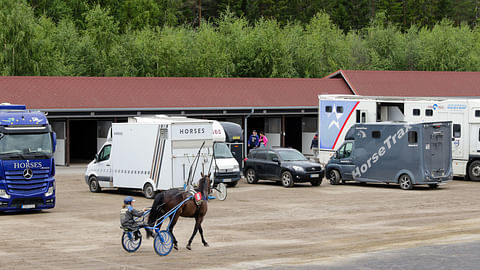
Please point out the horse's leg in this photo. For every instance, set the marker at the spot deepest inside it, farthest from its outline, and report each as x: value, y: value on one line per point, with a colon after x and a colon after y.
x: 170, y: 229
x: 198, y: 221
x: 200, y: 229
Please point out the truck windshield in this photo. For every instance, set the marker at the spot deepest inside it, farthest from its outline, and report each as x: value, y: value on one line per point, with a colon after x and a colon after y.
x: 26, y: 145
x: 221, y: 151
x: 291, y: 155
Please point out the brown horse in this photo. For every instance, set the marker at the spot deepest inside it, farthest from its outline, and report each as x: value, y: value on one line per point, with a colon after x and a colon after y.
x: 169, y: 199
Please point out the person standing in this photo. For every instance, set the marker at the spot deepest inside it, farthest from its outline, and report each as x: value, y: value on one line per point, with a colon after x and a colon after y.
x: 263, y: 139
x: 314, y: 146
x: 253, y: 141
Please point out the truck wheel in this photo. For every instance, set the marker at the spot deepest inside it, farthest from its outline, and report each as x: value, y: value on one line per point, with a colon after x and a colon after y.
x: 287, y: 179
x: 251, y: 176
x: 405, y: 182
x: 334, y: 177
x: 474, y: 170
x: 148, y: 191
x: 93, y: 184
x: 316, y: 182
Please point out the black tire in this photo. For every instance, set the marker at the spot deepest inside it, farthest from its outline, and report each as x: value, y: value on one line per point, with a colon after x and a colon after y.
x: 405, y: 182
x: 93, y: 184
x: 334, y: 177
x: 287, y: 179
x: 148, y: 191
x: 433, y: 185
x: 316, y: 182
x: 474, y: 170
x: 232, y: 184
x: 251, y: 176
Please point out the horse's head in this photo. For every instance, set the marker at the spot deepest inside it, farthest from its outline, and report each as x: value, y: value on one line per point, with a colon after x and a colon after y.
x: 204, y: 185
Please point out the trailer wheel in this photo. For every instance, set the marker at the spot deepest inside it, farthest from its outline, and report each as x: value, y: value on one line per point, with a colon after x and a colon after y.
x: 474, y: 170
x: 148, y: 191
x: 93, y: 184
x: 251, y: 176
x: 334, y: 177
x: 287, y: 179
x: 405, y: 182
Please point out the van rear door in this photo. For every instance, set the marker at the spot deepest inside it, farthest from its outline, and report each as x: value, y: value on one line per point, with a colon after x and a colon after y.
x: 436, y: 145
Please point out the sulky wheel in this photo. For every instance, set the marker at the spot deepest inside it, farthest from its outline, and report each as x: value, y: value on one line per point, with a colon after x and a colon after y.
x: 129, y: 243
x: 221, y: 191
x: 163, y: 243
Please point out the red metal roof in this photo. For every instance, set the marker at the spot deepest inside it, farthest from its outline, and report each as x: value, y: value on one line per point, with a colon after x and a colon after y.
x: 128, y: 92
x: 411, y: 83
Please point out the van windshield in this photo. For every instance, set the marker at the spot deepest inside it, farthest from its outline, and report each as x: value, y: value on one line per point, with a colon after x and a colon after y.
x: 291, y: 155
x: 221, y: 151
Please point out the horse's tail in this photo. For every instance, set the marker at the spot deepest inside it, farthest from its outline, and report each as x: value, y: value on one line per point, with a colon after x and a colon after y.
x: 156, y: 211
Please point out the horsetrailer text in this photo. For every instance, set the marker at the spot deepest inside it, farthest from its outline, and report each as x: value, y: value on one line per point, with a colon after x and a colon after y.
x: 192, y: 131
x: 388, y: 143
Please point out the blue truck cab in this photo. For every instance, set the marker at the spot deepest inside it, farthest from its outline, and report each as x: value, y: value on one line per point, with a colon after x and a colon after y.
x: 27, y: 166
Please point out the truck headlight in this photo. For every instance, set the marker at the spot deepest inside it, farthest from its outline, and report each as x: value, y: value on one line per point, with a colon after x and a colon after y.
x: 3, y: 194
x: 50, y: 190
x: 236, y: 168
x: 298, y: 168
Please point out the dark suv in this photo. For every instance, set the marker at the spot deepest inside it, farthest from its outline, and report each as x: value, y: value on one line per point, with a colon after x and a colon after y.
x: 281, y: 164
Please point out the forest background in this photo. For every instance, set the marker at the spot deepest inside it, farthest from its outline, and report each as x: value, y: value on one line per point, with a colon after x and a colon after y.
x: 243, y: 38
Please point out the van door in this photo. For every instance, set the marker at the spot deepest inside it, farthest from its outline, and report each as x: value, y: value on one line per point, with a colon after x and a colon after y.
x: 346, y: 160
x: 103, y: 166
x: 436, y: 150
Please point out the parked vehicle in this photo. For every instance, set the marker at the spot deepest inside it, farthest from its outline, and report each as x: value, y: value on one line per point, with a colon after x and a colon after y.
x: 337, y: 113
x: 27, y: 166
x: 404, y: 153
x: 152, y: 154
x: 281, y: 164
x: 227, y: 168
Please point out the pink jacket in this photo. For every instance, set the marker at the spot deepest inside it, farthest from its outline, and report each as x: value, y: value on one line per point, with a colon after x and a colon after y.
x: 264, y: 140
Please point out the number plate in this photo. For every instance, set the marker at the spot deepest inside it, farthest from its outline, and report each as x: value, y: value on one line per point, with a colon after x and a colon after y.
x: 28, y: 206
x: 314, y: 175
x: 227, y: 180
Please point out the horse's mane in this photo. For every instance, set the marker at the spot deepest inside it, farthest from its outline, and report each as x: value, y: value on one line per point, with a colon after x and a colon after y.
x: 203, y: 186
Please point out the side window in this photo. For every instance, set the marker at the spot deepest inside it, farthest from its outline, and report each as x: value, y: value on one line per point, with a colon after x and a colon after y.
x: 479, y: 134
x: 428, y: 112
x: 457, y: 130
x: 416, y: 112
x: 412, y: 137
x: 340, y: 109
x: 271, y: 156
x: 105, y: 153
x: 477, y: 113
x: 261, y: 155
x: 348, y: 149
x: 328, y: 109
x: 341, y: 152
x: 376, y: 134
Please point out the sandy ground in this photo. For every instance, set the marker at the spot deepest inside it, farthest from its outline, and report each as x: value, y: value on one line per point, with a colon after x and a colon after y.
x: 256, y: 226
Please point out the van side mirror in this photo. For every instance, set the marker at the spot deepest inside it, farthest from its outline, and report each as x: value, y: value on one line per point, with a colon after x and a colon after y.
x: 96, y: 157
x: 453, y: 139
x: 54, y: 142
x: 275, y: 159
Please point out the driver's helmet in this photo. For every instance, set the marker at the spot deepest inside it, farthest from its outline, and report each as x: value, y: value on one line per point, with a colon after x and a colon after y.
x: 128, y: 200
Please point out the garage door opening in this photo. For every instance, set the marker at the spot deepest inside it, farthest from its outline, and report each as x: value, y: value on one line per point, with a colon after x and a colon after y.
x: 83, y: 140
x: 293, y: 132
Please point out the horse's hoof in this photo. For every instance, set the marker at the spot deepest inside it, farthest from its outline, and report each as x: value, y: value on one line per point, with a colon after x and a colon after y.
x: 188, y: 247
x: 175, y: 247
x: 206, y: 244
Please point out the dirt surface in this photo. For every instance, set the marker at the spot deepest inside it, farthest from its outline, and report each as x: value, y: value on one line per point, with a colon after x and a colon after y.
x: 256, y: 226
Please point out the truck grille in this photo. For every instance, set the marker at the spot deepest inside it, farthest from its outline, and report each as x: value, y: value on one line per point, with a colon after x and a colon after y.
x: 18, y: 184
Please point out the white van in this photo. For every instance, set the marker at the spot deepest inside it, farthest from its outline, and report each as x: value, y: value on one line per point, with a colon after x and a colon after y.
x: 153, y: 154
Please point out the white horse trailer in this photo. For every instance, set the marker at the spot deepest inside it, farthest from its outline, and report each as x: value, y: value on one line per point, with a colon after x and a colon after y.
x: 152, y: 154
x: 337, y: 113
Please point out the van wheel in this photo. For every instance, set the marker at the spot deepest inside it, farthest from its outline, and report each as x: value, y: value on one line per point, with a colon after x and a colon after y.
x: 148, y: 191
x: 287, y: 179
x: 405, y: 182
x: 93, y: 184
x: 334, y: 177
x: 474, y: 171
x: 251, y: 176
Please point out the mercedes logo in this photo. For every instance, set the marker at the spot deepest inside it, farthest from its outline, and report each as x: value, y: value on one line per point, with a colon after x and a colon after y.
x: 27, y: 173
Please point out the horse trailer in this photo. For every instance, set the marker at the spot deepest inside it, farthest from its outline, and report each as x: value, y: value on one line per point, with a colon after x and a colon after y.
x: 404, y: 153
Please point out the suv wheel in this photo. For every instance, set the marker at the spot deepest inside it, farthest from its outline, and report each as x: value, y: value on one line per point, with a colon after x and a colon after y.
x: 251, y: 176
x: 287, y: 179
